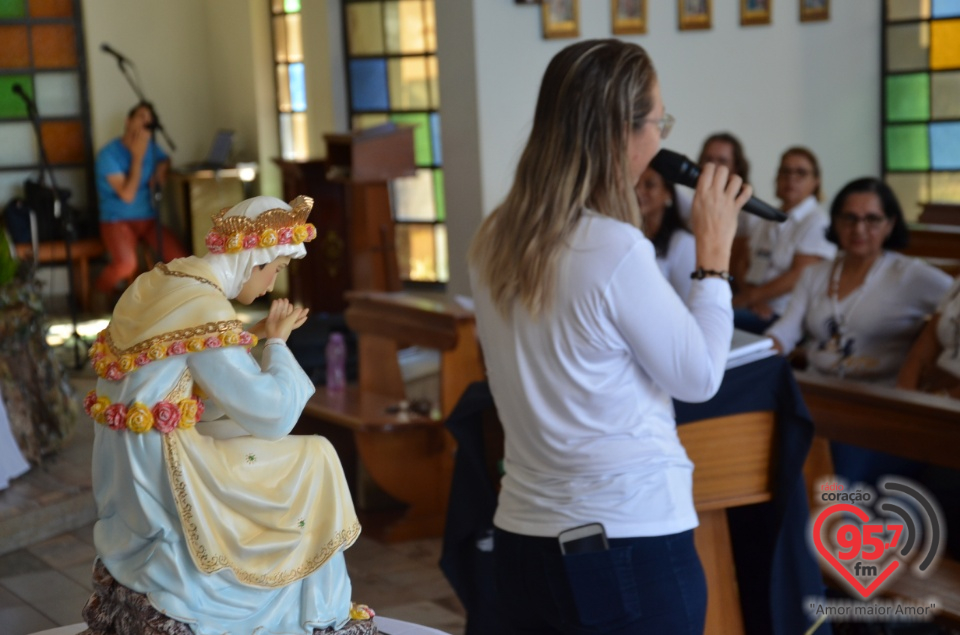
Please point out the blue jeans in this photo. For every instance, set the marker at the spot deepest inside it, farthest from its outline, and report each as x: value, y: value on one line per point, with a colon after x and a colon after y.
x: 639, y: 585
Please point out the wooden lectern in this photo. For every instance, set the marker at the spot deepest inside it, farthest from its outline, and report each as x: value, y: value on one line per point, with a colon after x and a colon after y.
x: 355, y: 248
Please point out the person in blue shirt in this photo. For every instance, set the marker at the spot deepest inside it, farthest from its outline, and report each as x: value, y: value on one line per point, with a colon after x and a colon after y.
x: 128, y: 170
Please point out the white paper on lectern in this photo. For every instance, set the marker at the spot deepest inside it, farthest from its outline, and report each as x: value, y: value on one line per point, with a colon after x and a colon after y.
x: 748, y: 347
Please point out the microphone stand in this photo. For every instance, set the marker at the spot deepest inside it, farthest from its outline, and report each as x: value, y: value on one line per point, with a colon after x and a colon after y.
x: 156, y: 193
x: 67, y: 224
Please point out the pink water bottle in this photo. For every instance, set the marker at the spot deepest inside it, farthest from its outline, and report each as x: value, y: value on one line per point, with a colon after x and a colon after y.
x: 336, y: 358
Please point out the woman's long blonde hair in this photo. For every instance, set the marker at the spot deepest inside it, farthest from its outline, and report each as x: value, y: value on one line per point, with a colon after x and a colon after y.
x: 593, y: 94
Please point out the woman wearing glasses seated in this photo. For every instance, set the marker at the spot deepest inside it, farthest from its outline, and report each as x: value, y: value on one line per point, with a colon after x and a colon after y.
x: 860, y: 312
x: 933, y: 364
x: 779, y: 252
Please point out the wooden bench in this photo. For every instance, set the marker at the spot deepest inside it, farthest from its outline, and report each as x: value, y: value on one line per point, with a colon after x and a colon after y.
x: 908, y: 424
x: 409, y: 456
x: 81, y: 251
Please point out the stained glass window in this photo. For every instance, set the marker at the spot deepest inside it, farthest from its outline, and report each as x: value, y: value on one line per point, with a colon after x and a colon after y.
x: 41, y: 44
x: 291, y: 79
x: 393, y: 75
x: 921, y: 105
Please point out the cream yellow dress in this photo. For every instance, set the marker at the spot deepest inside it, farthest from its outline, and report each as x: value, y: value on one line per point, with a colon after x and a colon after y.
x: 235, y: 535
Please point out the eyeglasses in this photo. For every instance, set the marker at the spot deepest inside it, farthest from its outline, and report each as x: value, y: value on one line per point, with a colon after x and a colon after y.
x: 664, y: 123
x: 786, y: 173
x: 850, y: 220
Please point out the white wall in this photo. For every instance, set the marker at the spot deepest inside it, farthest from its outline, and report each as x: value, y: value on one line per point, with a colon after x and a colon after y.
x: 167, y: 42
x: 816, y: 84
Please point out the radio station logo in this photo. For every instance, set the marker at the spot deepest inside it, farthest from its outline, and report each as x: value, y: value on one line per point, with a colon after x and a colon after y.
x: 868, y: 541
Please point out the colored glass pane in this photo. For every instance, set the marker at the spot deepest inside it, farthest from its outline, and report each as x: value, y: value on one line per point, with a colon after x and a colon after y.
x: 291, y: 6
x: 368, y: 85
x: 429, y: 27
x: 283, y: 89
x: 908, y: 97
x: 417, y: 252
x: 945, y: 99
x: 301, y: 146
x: 58, y: 94
x: 286, y: 137
x: 912, y: 190
x: 279, y: 39
x: 63, y: 141
x: 945, y: 145
x: 51, y: 8
x: 439, y: 195
x: 298, y: 88
x: 423, y: 156
x: 294, y: 38
x: 365, y: 28
x: 945, y: 44
x: 945, y: 187
x: 413, y: 197
x: 908, y: 47
x: 440, y: 248
x: 18, y: 144
x: 409, y: 89
x: 433, y: 79
x: 11, y: 106
x: 435, y: 138
x: 362, y: 122
x: 54, y: 46
x: 908, y: 9
x: 908, y: 148
x: 12, y: 9
x: 404, y: 26
x: 15, y: 51
x: 946, y: 8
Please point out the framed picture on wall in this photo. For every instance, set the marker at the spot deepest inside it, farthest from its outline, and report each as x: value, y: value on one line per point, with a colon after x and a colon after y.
x: 694, y: 14
x: 629, y: 16
x: 814, y: 10
x: 561, y: 18
x: 754, y: 12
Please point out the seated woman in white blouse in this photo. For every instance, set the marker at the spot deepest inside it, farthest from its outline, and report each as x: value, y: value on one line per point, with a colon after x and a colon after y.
x: 933, y: 364
x: 861, y: 311
x: 674, y: 245
x: 779, y: 252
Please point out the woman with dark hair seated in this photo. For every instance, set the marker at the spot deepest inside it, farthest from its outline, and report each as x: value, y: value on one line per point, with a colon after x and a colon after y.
x: 861, y: 311
x: 673, y: 243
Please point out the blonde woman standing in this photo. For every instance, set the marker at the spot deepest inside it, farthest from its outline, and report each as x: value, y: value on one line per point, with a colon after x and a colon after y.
x: 585, y: 343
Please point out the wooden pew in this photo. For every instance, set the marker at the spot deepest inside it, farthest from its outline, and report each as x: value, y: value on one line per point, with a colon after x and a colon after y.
x: 905, y: 423
x: 409, y: 456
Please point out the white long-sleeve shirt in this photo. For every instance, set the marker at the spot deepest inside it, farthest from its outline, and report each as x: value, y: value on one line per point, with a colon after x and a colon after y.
x: 679, y: 262
x: 584, y: 390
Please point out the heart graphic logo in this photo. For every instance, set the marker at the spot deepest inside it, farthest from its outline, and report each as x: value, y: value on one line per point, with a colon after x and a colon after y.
x: 853, y: 542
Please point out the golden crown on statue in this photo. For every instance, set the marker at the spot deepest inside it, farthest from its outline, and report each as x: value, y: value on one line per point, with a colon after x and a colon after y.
x: 271, y: 228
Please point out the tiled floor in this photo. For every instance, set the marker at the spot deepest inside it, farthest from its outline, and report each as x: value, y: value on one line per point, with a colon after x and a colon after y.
x: 45, y: 581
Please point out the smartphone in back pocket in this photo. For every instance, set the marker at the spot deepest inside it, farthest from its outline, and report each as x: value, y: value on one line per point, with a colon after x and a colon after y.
x: 583, y: 539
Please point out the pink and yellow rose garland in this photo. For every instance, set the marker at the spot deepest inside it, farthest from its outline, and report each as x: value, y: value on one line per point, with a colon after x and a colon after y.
x: 110, y: 366
x: 219, y: 243
x: 164, y: 417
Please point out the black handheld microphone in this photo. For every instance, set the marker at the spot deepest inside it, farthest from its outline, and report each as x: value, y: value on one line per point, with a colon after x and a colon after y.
x: 107, y: 49
x: 675, y: 167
